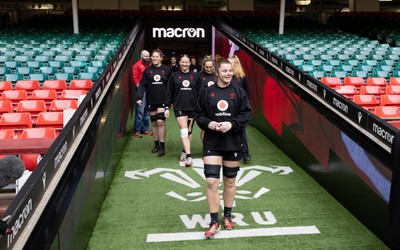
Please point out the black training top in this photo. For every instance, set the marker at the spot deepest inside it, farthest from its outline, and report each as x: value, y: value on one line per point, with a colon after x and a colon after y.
x: 184, y: 89
x: 223, y: 104
x: 242, y: 82
x: 206, y: 80
x: 154, y: 82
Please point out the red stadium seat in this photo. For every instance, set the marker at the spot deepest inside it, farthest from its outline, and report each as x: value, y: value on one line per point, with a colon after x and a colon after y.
x: 31, y: 160
x: 4, y: 85
x: 387, y: 111
x: 354, y: 81
x: 51, y: 119
x: 81, y: 84
x: 372, y: 90
x: 331, y: 82
x: 366, y: 101
x: 14, y: 96
x: 32, y: 106
x: 47, y: 95
x: 347, y: 90
x: 7, y: 134
x: 43, y: 132
x: 16, y: 121
x: 393, y: 90
x: 58, y: 85
x: 28, y: 85
x: 72, y: 94
x: 377, y: 81
x: 6, y: 106
x: 60, y: 105
x: 394, y: 81
x: 390, y: 100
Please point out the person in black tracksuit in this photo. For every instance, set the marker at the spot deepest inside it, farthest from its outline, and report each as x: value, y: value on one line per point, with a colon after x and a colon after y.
x: 224, y: 111
x: 184, y: 87
x: 154, y: 83
x: 239, y: 78
x: 207, y: 78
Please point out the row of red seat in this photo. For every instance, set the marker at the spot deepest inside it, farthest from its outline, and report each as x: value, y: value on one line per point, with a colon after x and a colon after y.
x: 350, y: 90
x: 359, y: 81
x: 23, y: 120
x: 58, y: 85
x: 46, y: 95
x: 30, y: 160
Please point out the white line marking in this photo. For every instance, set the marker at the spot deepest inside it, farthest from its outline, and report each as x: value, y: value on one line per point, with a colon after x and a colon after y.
x: 274, y: 231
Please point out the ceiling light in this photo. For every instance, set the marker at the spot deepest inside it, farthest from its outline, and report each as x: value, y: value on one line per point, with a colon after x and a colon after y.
x: 303, y: 2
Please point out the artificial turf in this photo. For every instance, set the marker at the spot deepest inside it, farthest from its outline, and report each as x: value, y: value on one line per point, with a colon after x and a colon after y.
x: 166, y: 200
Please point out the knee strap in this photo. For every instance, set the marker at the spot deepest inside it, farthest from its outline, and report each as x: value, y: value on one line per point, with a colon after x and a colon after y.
x: 161, y: 116
x: 153, y: 118
x: 212, y: 171
x: 230, y: 172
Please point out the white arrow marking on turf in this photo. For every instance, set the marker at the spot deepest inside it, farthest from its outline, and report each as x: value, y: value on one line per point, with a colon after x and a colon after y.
x: 273, y: 231
x: 182, y: 178
x: 260, y: 192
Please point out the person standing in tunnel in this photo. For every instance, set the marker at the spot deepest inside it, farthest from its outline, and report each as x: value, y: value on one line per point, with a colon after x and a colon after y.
x: 142, y: 116
x: 154, y: 83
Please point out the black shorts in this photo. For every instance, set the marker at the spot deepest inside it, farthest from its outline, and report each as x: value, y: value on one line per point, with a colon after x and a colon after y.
x: 226, y: 155
x: 179, y: 113
x: 154, y: 107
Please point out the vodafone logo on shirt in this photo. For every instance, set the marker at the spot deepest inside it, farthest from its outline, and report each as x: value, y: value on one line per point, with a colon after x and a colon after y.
x: 186, y: 83
x: 210, y: 83
x: 157, y: 78
x: 222, y: 105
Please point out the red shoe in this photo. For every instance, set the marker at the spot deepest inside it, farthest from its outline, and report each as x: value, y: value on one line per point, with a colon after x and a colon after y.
x: 228, y: 223
x: 214, y: 228
x: 147, y: 133
x: 137, y: 135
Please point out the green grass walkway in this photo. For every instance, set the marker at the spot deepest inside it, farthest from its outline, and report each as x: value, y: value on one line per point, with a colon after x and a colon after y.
x: 154, y: 203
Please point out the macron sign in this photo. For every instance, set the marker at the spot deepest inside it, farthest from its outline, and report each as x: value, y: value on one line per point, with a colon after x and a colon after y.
x: 178, y: 32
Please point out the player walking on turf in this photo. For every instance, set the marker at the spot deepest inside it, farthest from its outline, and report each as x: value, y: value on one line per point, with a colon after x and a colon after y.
x: 224, y: 111
x: 184, y: 87
x: 154, y: 83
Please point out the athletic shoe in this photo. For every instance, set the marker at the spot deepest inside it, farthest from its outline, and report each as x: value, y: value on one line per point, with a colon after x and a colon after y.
x: 137, y: 135
x: 155, y: 149
x: 183, y: 156
x: 161, y: 151
x: 147, y: 133
x: 188, y: 162
x: 228, y: 223
x: 214, y: 228
x: 246, y: 159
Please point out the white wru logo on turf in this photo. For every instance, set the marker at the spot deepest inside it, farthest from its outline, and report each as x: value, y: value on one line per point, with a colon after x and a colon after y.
x: 245, y: 175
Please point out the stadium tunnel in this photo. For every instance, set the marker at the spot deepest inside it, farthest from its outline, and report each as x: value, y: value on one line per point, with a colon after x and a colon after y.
x: 63, y: 197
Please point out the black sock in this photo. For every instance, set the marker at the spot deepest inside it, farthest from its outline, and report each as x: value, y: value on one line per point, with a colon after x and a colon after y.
x: 188, y: 155
x: 157, y: 143
x: 214, y: 218
x: 227, y: 212
x: 162, y: 144
x: 183, y: 151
